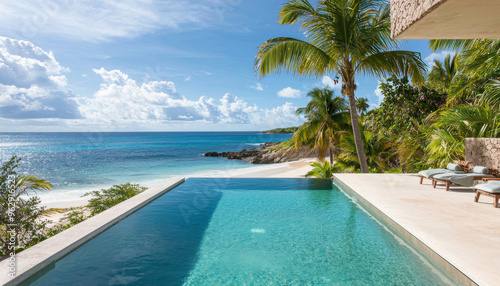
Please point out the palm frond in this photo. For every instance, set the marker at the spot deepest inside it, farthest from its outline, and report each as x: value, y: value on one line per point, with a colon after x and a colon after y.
x: 446, y: 44
x: 292, y: 55
x: 398, y: 63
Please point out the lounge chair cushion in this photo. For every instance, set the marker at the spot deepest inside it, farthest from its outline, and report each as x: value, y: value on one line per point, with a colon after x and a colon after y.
x: 466, y: 180
x: 492, y: 187
x: 453, y: 167
x: 480, y: 170
x: 433, y: 172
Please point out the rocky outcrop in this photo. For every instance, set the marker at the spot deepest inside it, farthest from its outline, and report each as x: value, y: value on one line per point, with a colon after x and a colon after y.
x: 270, y: 152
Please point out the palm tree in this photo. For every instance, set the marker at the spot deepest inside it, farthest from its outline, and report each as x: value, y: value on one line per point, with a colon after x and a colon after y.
x: 442, y: 73
x: 343, y: 36
x: 378, y: 151
x: 454, y: 125
x: 479, y: 57
x: 321, y: 170
x: 25, y: 183
x: 326, y: 117
x: 479, y: 66
x: 22, y: 183
x: 362, y: 105
x: 491, y: 95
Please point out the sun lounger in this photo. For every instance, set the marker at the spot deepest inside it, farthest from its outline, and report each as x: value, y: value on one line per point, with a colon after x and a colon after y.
x: 491, y: 189
x: 450, y: 169
x: 466, y: 180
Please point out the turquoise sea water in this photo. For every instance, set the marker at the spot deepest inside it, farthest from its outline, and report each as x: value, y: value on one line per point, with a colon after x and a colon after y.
x: 78, y: 162
x: 245, y: 232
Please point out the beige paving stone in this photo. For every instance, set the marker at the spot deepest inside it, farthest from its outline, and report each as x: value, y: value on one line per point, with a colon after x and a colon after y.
x: 461, y: 235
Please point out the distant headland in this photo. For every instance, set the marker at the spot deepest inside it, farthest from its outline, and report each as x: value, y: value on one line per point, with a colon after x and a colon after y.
x: 286, y: 130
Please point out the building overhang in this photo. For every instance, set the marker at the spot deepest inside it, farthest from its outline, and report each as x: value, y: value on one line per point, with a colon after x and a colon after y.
x: 445, y: 19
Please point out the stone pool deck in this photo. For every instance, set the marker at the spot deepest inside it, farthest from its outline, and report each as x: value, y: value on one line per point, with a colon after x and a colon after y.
x: 459, y: 234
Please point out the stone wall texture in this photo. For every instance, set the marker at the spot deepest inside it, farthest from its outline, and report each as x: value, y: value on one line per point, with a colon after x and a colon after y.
x: 406, y: 12
x: 483, y: 152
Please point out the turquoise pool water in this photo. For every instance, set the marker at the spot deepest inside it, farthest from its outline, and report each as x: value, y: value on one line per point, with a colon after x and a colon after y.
x: 245, y: 232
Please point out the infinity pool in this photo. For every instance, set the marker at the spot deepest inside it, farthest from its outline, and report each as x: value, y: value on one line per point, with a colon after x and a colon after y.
x: 245, y: 232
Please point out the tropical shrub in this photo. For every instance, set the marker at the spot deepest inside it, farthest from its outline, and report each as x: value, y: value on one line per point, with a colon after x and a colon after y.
x: 74, y: 217
x: 321, y: 170
x: 404, y: 103
x: 377, y: 149
x: 106, y: 198
x: 454, y: 125
x: 21, y: 223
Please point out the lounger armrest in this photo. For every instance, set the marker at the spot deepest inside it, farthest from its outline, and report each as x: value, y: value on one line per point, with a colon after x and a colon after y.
x: 491, y: 179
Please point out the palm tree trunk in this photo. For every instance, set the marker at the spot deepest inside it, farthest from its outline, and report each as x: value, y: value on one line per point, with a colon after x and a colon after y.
x: 331, y: 156
x: 360, y: 149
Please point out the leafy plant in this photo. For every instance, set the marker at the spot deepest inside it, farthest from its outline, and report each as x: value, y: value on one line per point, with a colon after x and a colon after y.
x: 327, y: 117
x: 403, y: 103
x: 455, y: 124
x: 377, y: 149
x: 21, y: 222
x: 321, y: 170
x: 74, y: 217
x: 106, y: 198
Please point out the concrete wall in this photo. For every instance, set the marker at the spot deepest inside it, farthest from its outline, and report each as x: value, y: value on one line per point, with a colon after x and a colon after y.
x: 483, y: 152
x: 406, y: 12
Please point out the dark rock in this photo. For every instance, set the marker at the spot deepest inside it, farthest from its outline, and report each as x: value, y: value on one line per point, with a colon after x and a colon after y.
x: 269, y: 144
x: 266, y: 155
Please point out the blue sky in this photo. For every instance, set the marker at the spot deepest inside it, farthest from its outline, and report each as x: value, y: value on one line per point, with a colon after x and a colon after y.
x: 68, y: 65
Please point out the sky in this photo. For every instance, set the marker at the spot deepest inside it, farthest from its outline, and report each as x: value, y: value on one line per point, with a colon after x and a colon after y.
x: 151, y: 65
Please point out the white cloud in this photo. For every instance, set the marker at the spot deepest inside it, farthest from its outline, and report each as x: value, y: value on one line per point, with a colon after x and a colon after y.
x: 379, y: 95
x: 328, y: 81
x: 437, y: 56
x: 188, y: 78
x: 32, y: 83
x: 33, y: 90
x: 257, y: 86
x: 289, y: 92
x: 23, y: 64
x: 95, y: 20
x: 280, y: 116
x: 121, y: 100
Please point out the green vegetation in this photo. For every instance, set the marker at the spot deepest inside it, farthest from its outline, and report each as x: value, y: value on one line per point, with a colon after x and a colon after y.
x: 72, y: 218
x: 348, y: 37
x: 423, y: 119
x: 321, y: 170
x: 419, y: 126
x: 286, y: 130
x: 325, y: 116
x: 104, y: 199
x: 21, y: 223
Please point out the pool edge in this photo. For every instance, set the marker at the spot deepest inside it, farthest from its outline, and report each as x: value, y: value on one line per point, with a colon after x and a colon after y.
x: 408, y: 236
x: 37, y: 257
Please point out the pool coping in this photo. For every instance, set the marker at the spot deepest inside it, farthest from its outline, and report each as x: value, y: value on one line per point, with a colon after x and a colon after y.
x: 37, y: 257
x: 408, y: 237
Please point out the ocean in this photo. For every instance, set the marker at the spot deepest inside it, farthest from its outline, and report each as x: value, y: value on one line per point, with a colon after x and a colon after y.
x: 77, y: 163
